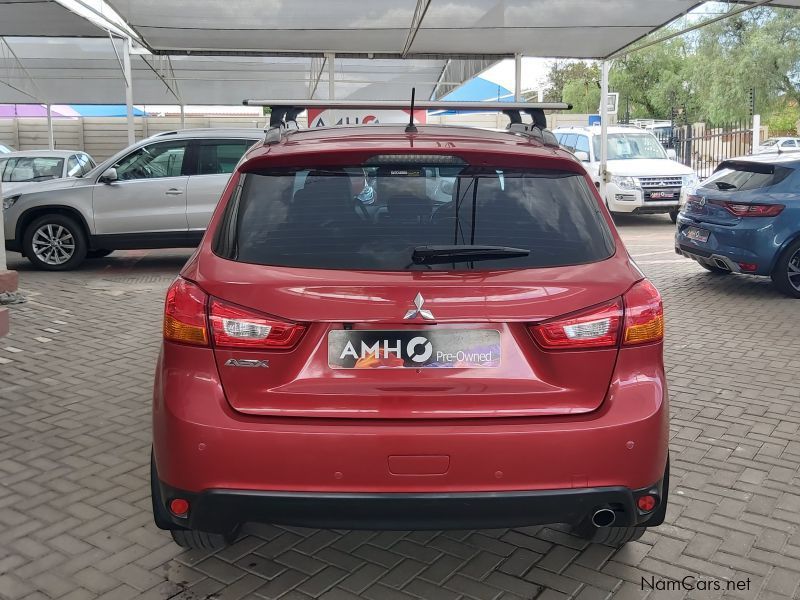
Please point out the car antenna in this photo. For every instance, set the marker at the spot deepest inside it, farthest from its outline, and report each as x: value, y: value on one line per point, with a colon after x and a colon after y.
x: 411, y: 128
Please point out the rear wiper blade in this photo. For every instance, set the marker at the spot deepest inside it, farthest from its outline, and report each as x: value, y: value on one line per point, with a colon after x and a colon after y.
x: 437, y: 255
x: 724, y: 185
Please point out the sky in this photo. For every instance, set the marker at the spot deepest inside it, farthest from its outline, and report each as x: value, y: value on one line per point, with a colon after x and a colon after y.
x: 534, y: 73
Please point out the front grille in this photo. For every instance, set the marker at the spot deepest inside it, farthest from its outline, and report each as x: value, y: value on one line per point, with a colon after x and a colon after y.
x: 660, y: 182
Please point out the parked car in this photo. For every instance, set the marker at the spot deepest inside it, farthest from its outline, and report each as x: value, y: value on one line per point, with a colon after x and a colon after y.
x: 778, y: 145
x: 23, y: 169
x: 159, y: 193
x: 5, y: 149
x: 745, y: 218
x: 492, y: 360
x: 643, y: 179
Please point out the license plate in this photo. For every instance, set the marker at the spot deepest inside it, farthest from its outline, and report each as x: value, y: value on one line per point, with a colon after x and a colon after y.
x: 414, y: 349
x: 662, y: 195
x: 696, y: 234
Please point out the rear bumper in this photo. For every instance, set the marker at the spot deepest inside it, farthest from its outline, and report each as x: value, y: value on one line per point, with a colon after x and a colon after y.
x: 222, y: 511
x: 752, y: 241
x: 201, y: 443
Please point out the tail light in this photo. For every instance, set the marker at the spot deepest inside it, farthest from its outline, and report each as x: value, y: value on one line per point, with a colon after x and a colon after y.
x: 236, y: 327
x: 641, y: 321
x: 644, y: 315
x: 750, y: 210
x: 595, y: 328
x: 185, y: 314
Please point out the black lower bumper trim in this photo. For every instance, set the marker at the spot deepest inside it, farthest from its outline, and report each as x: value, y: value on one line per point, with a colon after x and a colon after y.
x: 221, y: 510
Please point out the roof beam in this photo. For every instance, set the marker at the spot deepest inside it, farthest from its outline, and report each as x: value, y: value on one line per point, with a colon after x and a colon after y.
x: 416, y: 21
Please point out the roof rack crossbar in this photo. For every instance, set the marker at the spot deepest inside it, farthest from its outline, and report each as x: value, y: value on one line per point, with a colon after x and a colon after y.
x: 404, y: 105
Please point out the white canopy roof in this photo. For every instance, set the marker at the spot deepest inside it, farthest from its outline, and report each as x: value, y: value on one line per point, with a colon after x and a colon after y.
x: 43, y: 18
x: 88, y: 71
x: 399, y: 28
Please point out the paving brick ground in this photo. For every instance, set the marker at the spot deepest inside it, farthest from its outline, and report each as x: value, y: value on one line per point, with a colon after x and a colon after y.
x: 75, y: 380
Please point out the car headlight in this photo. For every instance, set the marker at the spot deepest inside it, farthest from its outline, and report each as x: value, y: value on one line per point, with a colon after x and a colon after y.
x: 625, y: 183
x: 9, y: 201
x: 691, y: 181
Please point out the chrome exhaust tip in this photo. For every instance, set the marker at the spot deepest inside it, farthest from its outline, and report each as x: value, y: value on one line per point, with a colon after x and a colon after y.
x: 722, y: 264
x: 603, y: 517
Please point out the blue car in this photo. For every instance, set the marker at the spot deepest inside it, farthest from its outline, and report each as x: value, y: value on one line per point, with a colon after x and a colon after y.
x: 745, y: 218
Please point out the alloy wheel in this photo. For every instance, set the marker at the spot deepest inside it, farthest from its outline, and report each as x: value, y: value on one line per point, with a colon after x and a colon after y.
x: 53, y: 244
x: 793, y: 270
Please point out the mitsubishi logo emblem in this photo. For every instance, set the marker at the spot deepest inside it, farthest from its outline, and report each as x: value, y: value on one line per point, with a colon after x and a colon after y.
x: 425, y: 314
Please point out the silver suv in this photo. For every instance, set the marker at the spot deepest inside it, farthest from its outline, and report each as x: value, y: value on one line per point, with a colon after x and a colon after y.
x: 158, y: 193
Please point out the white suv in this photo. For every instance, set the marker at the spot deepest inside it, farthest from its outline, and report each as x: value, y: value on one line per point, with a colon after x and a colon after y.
x: 642, y: 179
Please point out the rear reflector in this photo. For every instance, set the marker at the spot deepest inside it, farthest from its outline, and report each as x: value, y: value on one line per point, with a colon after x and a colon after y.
x: 179, y: 507
x: 647, y: 503
x: 236, y: 327
x: 644, y: 315
x: 596, y: 327
x: 185, y: 314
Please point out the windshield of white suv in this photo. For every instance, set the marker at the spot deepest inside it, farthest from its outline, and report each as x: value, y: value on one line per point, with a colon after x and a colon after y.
x: 414, y: 216
x: 39, y: 168
x: 631, y: 146
x: 770, y: 142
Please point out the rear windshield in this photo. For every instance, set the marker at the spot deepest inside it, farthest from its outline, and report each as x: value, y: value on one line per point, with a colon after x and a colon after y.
x: 374, y: 217
x: 743, y: 176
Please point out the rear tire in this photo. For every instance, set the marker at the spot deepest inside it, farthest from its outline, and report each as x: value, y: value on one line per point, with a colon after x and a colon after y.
x: 714, y: 270
x: 786, y: 274
x: 673, y: 215
x: 199, y: 540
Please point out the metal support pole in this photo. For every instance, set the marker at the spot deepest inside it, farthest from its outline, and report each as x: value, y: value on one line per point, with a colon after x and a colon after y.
x: 330, y: 59
x: 183, y: 117
x: 126, y: 67
x: 756, y: 131
x: 517, y: 78
x: 50, y: 136
x: 3, y: 264
x: 604, y: 68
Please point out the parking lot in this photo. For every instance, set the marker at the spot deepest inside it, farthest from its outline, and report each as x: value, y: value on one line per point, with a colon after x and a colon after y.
x: 76, y: 377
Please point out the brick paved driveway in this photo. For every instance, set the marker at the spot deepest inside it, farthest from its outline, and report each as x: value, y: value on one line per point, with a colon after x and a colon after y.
x: 75, y: 379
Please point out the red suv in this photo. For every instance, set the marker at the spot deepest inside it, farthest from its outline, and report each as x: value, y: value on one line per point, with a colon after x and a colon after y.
x: 394, y: 329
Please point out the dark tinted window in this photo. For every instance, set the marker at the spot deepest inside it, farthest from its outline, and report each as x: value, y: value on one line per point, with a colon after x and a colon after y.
x: 216, y: 157
x: 742, y: 176
x: 324, y: 218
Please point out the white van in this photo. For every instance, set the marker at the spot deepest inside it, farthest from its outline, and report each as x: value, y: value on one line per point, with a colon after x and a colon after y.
x: 642, y: 177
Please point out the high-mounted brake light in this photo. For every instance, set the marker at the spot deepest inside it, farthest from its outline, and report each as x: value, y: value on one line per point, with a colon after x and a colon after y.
x: 185, y: 314
x: 750, y: 210
x: 644, y: 315
x: 236, y: 327
x: 597, y: 327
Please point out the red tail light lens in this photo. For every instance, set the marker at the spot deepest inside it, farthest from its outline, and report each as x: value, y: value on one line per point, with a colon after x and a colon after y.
x: 237, y: 327
x: 644, y: 315
x: 185, y: 314
x: 595, y: 328
x: 750, y: 210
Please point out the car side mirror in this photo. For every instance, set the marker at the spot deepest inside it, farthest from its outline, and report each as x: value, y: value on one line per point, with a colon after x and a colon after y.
x: 109, y: 176
x: 582, y: 156
x: 671, y: 154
